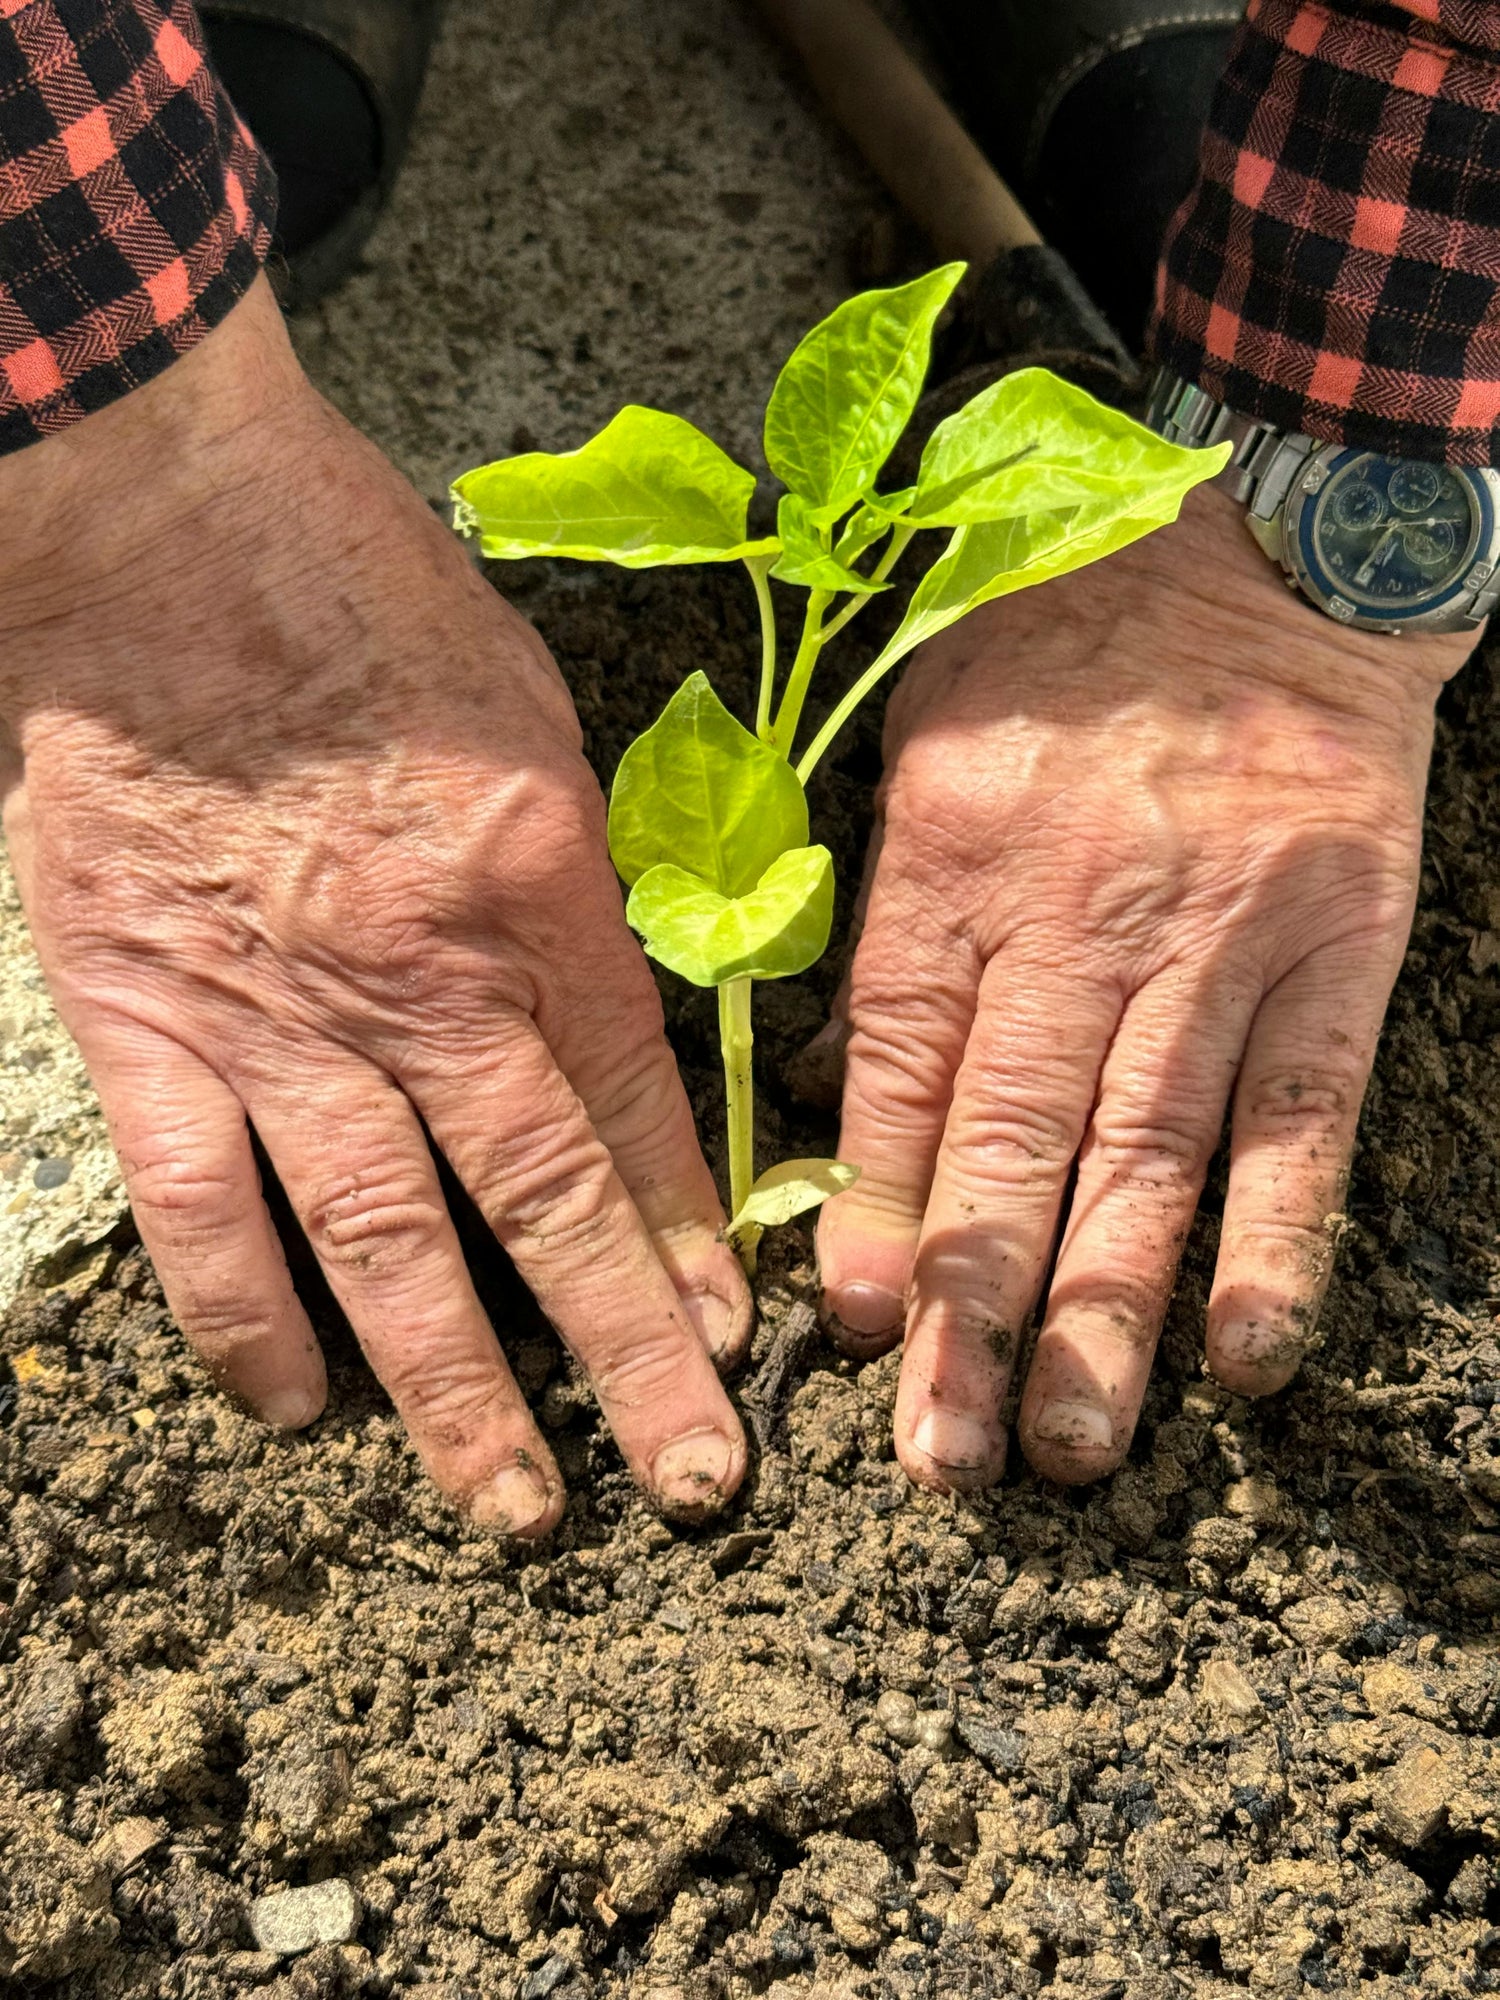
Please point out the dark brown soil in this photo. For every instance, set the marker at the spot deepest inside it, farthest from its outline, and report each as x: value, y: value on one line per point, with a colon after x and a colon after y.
x: 1226, y: 1722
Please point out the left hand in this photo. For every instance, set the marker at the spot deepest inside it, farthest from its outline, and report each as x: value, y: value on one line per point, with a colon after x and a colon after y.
x: 1150, y: 834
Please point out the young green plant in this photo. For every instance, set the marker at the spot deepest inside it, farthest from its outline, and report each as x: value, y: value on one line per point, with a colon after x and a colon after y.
x: 708, y: 819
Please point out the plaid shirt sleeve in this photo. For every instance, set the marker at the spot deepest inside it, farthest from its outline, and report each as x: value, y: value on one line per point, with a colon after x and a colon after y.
x: 135, y: 209
x: 1336, y: 269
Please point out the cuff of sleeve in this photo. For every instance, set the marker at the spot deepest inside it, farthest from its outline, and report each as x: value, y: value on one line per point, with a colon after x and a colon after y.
x: 1335, y: 269
x: 135, y: 208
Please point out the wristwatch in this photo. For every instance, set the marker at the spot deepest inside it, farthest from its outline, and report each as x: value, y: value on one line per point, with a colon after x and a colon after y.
x: 1387, y: 544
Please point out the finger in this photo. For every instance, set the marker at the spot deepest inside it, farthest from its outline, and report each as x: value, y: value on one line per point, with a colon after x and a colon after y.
x: 605, y: 1031
x: 1157, y: 1119
x: 357, y: 1170
x: 912, y: 995
x: 195, y: 1191
x: 520, y: 1141
x: 1296, y: 1107
x: 1020, y: 1106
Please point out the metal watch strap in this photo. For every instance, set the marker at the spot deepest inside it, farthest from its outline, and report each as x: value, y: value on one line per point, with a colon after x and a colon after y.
x: 1265, y: 460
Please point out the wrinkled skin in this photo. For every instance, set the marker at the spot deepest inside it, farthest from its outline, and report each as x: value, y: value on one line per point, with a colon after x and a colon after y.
x: 1149, y: 844
x: 306, y: 838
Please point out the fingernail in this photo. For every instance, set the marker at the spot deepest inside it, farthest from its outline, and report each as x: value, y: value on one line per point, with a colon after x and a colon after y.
x: 512, y: 1502
x: 866, y: 1308
x: 1081, y: 1425
x: 954, y: 1440
x: 692, y: 1472
x: 292, y: 1409
x: 714, y: 1319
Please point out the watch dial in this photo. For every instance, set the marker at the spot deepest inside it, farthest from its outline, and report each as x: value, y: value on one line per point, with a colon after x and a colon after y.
x: 1394, y: 533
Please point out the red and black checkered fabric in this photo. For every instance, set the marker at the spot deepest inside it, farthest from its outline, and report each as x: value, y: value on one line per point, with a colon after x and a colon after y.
x: 1336, y: 270
x: 135, y: 208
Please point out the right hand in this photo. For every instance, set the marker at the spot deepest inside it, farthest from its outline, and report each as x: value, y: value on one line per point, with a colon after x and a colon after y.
x: 307, y: 842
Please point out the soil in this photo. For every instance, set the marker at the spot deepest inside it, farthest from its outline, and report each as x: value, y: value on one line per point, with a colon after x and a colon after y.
x: 1227, y: 1721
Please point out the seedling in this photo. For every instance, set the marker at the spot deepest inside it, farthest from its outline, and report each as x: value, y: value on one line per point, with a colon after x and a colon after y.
x: 708, y: 821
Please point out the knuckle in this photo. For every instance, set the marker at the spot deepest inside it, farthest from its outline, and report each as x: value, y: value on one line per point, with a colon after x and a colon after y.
x: 374, y: 1222
x: 450, y: 1397
x: 183, y: 1189
x: 556, y: 1189
x: 1135, y: 1149
x: 647, y: 1368
x: 1020, y: 1145
x: 1302, y: 1097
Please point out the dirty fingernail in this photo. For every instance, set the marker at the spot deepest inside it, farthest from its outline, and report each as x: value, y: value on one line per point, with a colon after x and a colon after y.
x: 292, y: 1409
x: 716, y: 1321
x: 865, y: 1308
x: 692, y: 1472
x: 1080, y: 1425
x: 954, y: 1441
x: 512, y: 1502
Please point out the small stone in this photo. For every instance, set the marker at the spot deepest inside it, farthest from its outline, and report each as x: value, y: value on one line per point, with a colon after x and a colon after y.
x: 548, y: 1976
x: 290, y: 1921
x: 1004, y: 1750
x: 934, y: 1730
x: 1413, y: 1800
x: 52, y: 1173
x: 1222, y: 1687
x: 130, y: 1841
x: 676, y: 1618
x: 250, y: 1968
x: 1257, y: 1501
x: 897, y: 1715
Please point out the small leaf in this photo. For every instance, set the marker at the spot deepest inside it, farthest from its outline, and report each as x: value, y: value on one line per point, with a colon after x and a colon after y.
x: 992, y: 558
x: 649, y: 489
x: 805, y: 560
x: 868, y: 523
x: 848, y: 391
x: 1032, y: 443
x: 699, y: 791
x: 779, y: 928
x: 788, y: 1190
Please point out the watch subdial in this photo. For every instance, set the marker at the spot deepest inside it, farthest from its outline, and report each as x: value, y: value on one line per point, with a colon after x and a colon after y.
x: 1359, y: 505
x: 1414, y: 487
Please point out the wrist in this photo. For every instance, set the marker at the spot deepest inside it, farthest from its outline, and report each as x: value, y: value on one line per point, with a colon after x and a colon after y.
x: 102, y: 518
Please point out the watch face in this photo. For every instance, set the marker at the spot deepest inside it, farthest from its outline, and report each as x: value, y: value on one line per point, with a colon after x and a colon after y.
x: 1392, y: 535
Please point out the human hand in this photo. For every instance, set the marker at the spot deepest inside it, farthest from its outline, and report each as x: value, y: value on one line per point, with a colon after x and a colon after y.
x: 305, y: 835
x: 1149, y: 835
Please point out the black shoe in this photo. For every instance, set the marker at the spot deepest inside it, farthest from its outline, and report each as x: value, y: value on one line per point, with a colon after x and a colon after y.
x: 329, y: 88
x: 1092, y: 110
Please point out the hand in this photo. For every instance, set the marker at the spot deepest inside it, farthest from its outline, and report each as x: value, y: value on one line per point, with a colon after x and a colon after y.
x: 1150, y: 834
x: 305, y: 836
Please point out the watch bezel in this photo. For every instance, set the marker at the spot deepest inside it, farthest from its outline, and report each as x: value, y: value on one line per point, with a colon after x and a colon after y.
x: 1300, y: 552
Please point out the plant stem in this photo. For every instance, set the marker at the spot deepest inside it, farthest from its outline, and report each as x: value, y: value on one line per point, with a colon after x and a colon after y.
x: 760, y: 571
x: 899, y: 538
x: 877, y: 669
x: 784, y: 729
x: 736, y: 1038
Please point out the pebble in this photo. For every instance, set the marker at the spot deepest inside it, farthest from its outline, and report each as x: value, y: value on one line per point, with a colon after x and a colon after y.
x: 1413, y: 1801
x: 1255, y: 1500
x: 130, y: 1841
x: 1223, y: 1687
x: 934, y: 1729
x: 52, y: 1173
x: 897, y: 1715
x: 548, y: 1976
x: 295, y: 1920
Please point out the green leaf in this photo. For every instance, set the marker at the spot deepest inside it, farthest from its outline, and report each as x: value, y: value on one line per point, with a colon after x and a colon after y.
x: 989, y: 559
x: 868, y: 523
x: 848, y: 391
x: 649, y: 489
x: 805, y: 559
x: 699, y: 791
x: 779, y: 928
x: 788, y: 1190
x: 1032, y: 443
